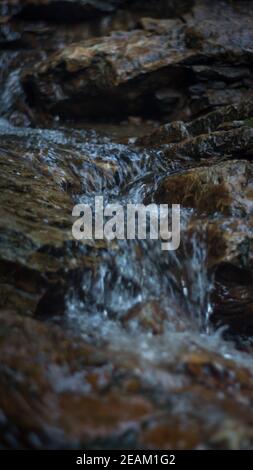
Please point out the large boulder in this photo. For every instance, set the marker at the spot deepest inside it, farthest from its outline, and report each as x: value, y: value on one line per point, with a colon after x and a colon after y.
x: 116, y: 75
x: 172, y: 67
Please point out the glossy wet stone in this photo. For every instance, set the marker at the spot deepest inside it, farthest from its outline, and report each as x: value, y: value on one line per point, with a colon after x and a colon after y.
x: 223, y: 118
x: 123, y: 345
x: 109, y: 78
x: 233, y: 294
x: 60, y: 392
x: 233, y: 142
x: 158, y: 70
x: 224, y: 187
x: 38, y: 252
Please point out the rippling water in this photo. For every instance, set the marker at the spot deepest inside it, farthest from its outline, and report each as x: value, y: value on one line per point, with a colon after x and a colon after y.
x: 132, y: 272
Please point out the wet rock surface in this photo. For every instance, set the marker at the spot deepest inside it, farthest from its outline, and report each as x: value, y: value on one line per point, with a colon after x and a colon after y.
x: 188, y: 64
x: 60, y: 392
x: 104, y: 73
x: 118, y: 344
x: 224, y: 187
x: 222, y: 118
x: 29, y: 202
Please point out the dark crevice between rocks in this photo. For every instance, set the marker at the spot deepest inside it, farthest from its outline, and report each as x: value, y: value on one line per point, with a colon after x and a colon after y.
x: 233, y: 302
x: 61, y: 11
x: 164, y: 376
x: 142, y: 97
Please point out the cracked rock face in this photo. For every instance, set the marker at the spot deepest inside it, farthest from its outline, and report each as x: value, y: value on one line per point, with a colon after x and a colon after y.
x: 105, y: 74
x: 189, y: 64
x: 118, y: 344
x: 223, y: 118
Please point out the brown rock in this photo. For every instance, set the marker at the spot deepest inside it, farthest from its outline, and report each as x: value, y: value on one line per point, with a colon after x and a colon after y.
x: 236, y: 142
x: 223, y: 118
x: 59, y: 392
x: 225, y: 187
x: 151, y: 71
x: 37, y: 252
x: 48, y: 393
x: 229, y: 260
x: 151, y: 317
x: 175, y: 131
x: 104, y: 72
x: 230, y: 241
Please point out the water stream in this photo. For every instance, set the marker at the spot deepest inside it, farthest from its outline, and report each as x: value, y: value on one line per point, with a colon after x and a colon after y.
x: 132, y: 272
x: 104, y: 301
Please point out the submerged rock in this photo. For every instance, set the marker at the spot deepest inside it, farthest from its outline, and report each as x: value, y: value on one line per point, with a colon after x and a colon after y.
x: 59, y: 392
x: 151, y: 317
x: 39, y: 179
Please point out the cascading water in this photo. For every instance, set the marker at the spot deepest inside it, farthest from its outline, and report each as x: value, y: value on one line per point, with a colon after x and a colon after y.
x: 130, y: 272
x: 141, y: 305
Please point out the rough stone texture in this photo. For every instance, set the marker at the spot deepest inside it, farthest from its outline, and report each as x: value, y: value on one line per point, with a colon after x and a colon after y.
x: 105, y: 73
x: 225, y: 187
x: 137, y: 373
x: 37, y: 252
x: 229, y: 242
x: 223, y: 118
x: 236, y: 142
x: 58, y: 392
x: 220, y: 192
x: 189, y: 66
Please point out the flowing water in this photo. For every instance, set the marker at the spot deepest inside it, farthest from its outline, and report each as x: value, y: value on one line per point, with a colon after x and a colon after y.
x: 132, y: 272
x: 129, y: 273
